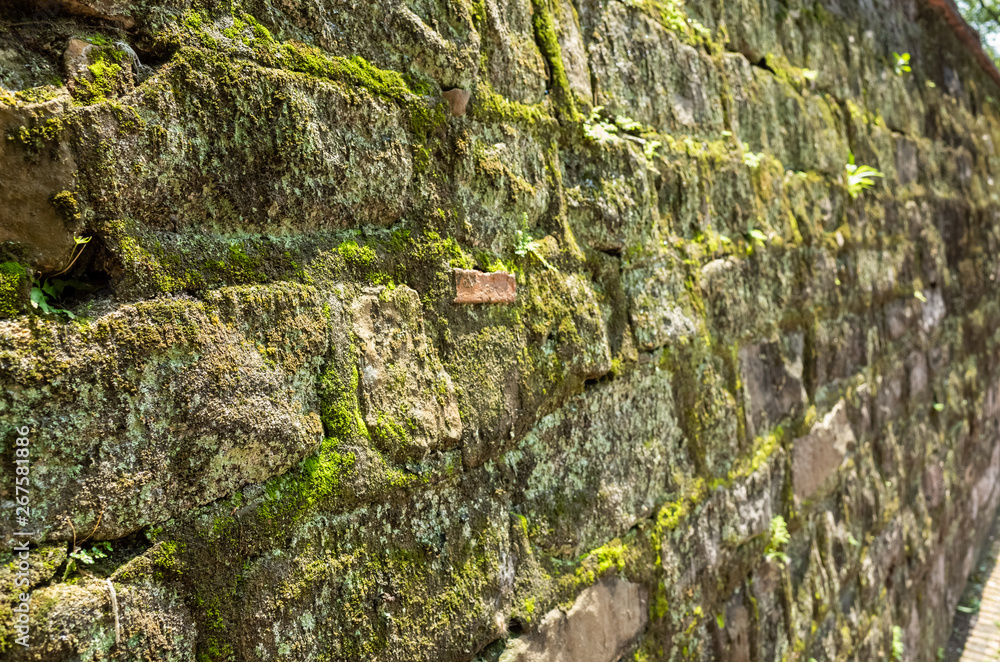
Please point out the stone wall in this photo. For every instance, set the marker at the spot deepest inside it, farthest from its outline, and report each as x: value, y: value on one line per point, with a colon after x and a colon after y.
x: 713, y: 403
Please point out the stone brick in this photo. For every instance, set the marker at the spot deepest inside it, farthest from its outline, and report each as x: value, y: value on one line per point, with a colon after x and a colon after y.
x: 599, y: 627
x: 817, y: 456
x: 772, y: 382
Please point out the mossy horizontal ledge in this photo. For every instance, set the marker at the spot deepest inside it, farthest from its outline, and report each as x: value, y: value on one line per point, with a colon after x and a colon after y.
x: 210, y: 351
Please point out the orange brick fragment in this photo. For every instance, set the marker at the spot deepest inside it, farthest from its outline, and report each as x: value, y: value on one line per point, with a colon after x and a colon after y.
x: 473, y: 286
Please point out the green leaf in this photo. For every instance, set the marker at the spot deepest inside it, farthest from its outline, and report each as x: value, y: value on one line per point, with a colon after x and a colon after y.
x: 82, y: 556
x: 78, y: 285
x: 627, y: 123
x: 523, y: 240
x: 752, y: 160
x: 649, y: 149
x: 919, y: 296
x: 859, y: 178
x: 938, y: 406
x: 902, y: 65
x: 39, y: 300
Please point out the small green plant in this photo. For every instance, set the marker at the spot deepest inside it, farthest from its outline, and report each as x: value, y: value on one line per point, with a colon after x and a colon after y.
x: 525, y: 245
x: 98, y: 551
x: 859, y: 178
x: 627, y: 123
x: 897, y: 643
x: 779, y: 538
x: 597, y: 129
x: 649, y: 149
x: 752, y: 160
x: 45, y: 291
x: 755, y: 238
x: 902, y: 63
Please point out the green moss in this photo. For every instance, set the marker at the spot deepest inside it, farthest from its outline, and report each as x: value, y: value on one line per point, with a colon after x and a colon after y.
x: 66, y: 206
x: 426, y: 119
x: 389, y: 436
x: 763, y: 449
x: 674, y: 17
x: 361, y: 257
x: 13, y: 280
x: 39, y: 135
x: 354, y: 70
x: 165, y: 557
x: 39, y: 94
x: 324, y: 472
x: 528, y: 608
x: 238, y: 268
x: 492, y: 107
x: 548, y: 43
x: 104, y: 77
x: 193, y: 19
x: 399, y: 241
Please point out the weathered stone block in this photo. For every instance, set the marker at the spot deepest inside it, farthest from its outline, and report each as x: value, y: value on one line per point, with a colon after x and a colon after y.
x: 407, y: 398
x: 660, y: 304
x: 37, y: 167
x: 817, y: 456
x: 772, y: 382
x: 599, y: 627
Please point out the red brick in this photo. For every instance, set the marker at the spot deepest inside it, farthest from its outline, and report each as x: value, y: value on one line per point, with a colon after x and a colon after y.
x: 473, y: 286
x: 458, y: 99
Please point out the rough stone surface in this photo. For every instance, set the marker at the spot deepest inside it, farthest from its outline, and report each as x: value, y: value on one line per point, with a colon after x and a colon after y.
x: 772, y: 382
x: 603, y: 621
x: 270, y: 426
x: 30, y: 218
x: 818, y: 455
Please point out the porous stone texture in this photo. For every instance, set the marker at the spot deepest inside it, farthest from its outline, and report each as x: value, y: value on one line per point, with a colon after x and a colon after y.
x: 270, y: 426
x: 29, y: 185
x: 817, y: 456
x: 604, y: 619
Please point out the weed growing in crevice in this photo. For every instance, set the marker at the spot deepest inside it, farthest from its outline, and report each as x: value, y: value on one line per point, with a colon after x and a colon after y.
x: 47, y: 292
x: 902, y: 65
x: 859, y: 178
x: 779, y: 538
